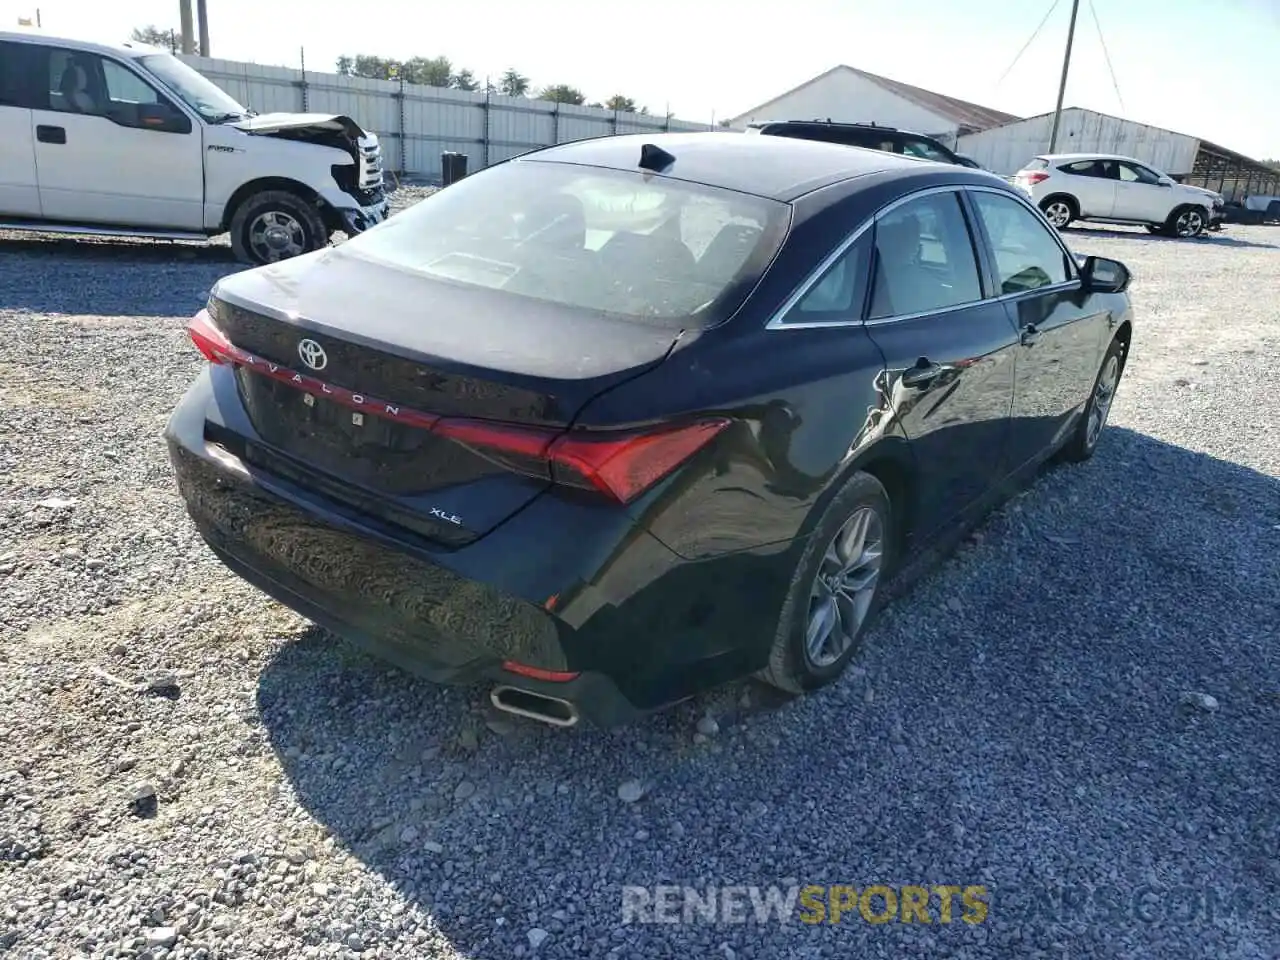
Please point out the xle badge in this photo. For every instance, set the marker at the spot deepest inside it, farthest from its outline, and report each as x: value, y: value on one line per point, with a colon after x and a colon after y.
x: 358, y: 419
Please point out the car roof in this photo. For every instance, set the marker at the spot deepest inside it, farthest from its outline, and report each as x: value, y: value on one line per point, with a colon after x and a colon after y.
x: 779, y: 168
x: 123, y: 49
x: 1087, y: 156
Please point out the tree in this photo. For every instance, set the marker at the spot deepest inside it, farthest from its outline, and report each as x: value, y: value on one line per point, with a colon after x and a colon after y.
x: 371, y: 68
x: 345, y: 66
x: 155, y: 37
x: 513, y: 84
x: 726, y: 122
x: 563, y: 93
x: 464, y: 80
x: 620, y: 104
x: 429, y: 71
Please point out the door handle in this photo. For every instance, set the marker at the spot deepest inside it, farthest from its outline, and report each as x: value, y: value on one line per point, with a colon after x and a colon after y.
x: 1029, y: 335
x: 922, y: 374
x: 47, y: 134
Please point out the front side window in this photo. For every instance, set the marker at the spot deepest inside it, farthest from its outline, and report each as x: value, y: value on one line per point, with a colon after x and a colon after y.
x: 924, y: 150
x: 86, y: 83
x: 1133, y: 173
x: 924, y: 258
x: 1026, y: 253
x: 606, y: 242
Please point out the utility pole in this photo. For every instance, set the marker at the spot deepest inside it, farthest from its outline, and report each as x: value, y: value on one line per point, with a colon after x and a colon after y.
x: 202, y: 17
x: 1062, y: 85
x: 186, y: 26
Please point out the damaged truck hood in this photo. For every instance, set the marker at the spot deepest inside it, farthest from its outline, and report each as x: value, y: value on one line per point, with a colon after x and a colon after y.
x: 295, y: 123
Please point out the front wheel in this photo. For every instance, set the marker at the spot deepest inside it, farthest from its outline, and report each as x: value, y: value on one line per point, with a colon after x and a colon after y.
x: 276, y: 225
x: 1084, y: 441
x: 1186, y: 222
x: 833, y: 595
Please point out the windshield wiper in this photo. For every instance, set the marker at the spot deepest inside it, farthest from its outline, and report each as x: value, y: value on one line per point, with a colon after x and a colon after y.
x: 226, y: 117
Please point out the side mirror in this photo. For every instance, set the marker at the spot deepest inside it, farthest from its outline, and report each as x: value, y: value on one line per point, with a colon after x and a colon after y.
x: 161, y: 116
x: 1165, y: 182
x: 1100, y: 275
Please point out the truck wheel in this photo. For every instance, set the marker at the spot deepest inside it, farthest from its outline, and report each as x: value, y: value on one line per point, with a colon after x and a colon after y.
x: 275, y: 225
x: 1186, y: 222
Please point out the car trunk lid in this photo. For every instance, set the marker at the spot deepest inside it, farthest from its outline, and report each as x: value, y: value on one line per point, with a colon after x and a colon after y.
x: 378, y: 387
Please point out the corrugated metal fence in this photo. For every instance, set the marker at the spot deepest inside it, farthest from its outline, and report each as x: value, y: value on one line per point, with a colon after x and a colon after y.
x: 417, y: 123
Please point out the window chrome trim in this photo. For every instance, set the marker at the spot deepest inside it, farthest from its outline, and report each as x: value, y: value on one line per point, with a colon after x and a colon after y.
x: 808, y: 283
x: 776, y: 322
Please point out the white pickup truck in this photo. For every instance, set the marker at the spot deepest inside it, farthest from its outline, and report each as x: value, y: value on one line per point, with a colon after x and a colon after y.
x: 126, y: 139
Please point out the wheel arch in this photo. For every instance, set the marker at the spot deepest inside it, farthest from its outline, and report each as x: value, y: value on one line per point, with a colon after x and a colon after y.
x: 890, y: 461
x: 265, y: 184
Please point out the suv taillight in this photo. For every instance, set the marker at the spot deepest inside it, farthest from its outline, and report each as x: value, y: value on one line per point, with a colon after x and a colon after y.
x: 1031, y: 179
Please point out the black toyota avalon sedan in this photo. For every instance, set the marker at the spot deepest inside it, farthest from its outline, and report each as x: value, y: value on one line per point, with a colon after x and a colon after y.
x: 623, y: 419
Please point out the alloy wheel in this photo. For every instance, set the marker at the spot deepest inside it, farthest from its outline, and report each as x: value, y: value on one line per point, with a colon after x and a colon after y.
x: 843, y: 587
x: 1058, y: 213
x: 1189, y: 224
x: 1103, y: 394
x: 276, y: 235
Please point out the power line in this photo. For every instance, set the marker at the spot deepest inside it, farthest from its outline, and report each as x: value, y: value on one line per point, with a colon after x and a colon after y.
x: 1110, y: 69
x: 1052, y: 7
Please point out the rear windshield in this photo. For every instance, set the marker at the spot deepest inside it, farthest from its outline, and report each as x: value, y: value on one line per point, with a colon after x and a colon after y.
x: 619, y: 243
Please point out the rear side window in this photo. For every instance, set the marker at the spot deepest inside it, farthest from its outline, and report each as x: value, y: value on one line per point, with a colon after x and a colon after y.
x: 841, y: 290
x: 1027, y: 255
x: 14, y: 89
x: 1039, y: 163
x: 1082, y: 168
x: 602, y: 241
x: 924, y: 259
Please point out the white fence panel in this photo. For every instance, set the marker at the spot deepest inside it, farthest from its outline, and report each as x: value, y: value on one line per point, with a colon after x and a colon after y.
x: 417, y: 123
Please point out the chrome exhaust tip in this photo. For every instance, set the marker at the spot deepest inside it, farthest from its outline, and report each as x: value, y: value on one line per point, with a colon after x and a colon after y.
x: 535, y: 706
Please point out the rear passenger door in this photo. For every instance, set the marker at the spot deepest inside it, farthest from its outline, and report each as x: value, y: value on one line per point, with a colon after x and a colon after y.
x: 1060, y: 340
x: 1093, y: 184
x: 949, y: 351
x: 19, y: 188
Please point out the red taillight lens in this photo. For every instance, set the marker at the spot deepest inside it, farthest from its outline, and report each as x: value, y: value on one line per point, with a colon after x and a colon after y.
x: 622, y: 466
x: 537, y: 673
x: 209, y: 340
x: 1031, y: 179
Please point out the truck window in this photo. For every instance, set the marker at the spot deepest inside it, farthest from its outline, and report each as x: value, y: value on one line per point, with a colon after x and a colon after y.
x: 13, y: 75
x: 925, y: 150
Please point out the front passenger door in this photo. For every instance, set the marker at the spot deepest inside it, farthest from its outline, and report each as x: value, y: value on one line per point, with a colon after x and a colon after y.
x: 101, y: 155
x: 948, y: 350
x: 1059, y: 341
x: 1139, y: 195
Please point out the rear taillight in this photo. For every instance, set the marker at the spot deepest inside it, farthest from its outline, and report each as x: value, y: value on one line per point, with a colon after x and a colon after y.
x: 209, y: 340
x: 620, y: 465
x: 1031, y: 179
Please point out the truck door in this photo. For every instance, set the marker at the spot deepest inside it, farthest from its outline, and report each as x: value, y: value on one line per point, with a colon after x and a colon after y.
x: 19, y: 190
x: 111, y: 149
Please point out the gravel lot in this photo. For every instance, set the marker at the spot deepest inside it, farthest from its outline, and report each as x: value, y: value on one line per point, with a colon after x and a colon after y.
x: 189, y: 770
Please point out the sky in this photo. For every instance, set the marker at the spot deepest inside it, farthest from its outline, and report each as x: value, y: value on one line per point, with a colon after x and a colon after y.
x: 1208, y: 68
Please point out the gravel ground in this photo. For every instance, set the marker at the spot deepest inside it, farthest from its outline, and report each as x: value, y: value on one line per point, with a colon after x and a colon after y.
x: 1085, y: 698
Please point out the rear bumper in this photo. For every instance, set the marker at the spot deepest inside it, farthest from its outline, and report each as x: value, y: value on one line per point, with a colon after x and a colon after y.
x: 558, y: 586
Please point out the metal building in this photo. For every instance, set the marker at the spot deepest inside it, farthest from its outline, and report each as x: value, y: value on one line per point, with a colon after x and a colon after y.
x: 1004, y: 150
x: 849, y: 95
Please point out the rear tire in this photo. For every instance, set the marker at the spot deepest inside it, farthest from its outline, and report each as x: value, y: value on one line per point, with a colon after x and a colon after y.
x: 836, y: 589
x: 276, y: 225
x: 1060, y: 211
x: 1084, y: 441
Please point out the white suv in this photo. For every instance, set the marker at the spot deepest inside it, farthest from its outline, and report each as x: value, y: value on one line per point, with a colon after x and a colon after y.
x: 1111, y: 189
x: 128, y: 140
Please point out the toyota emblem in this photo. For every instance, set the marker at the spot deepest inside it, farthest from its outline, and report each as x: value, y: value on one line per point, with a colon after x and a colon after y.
x: 313, y: 354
